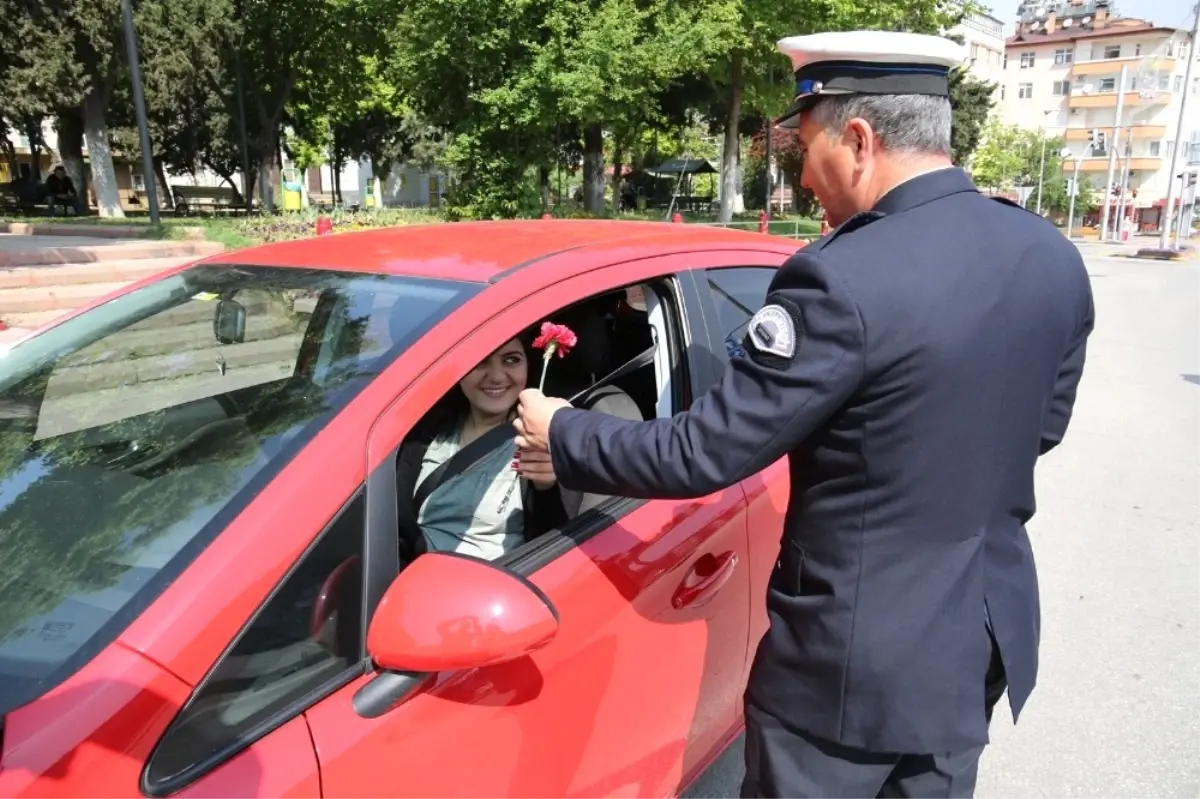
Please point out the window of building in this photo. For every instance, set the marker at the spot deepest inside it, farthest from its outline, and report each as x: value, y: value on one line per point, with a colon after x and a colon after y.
x: 1164, y: 83
x: 1063, y: 56
x: 1108, y: 84
x: 1112, y: 51
x: 1062, y: 88
x: 1027, y: 59
x: 1002, y: 93
x: 1137, y: 49
x: 1154, y: 149
x: 1024, y: 91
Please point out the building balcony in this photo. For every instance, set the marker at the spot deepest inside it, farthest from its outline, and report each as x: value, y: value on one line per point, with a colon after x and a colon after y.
x: 1139, y: 132
x: 1100, y: 164
x: 1109, y: 99
x: 1112, y: 66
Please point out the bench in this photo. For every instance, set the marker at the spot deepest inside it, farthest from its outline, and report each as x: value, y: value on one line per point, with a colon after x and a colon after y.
x: 25, y: 196
x: 216, y: 198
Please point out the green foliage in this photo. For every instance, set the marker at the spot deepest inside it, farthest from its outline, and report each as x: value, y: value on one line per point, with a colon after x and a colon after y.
x: 971, y: 100
x: 1011, y: 157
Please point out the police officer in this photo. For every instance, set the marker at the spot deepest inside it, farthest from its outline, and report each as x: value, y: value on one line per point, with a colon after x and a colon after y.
x: 913, y: 364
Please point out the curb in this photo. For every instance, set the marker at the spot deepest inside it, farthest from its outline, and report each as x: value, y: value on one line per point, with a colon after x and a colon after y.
x: 66, y: 229
x: 41, y: 256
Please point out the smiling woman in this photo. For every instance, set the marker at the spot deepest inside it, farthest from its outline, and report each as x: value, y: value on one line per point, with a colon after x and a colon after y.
x: 457, y: 485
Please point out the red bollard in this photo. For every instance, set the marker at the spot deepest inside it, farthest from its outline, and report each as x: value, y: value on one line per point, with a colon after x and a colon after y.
x: 677, y: 218
x: 763, y: 225
x: 324, y: 225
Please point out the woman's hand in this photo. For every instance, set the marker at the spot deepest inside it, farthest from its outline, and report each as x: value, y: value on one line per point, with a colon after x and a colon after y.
x: 537, y: 468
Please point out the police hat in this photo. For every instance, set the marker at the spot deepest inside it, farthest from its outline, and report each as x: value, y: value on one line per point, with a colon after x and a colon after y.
x: 867, y: 62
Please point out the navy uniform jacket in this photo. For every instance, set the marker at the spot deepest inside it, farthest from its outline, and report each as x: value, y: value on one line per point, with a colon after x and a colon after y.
x: 939, y: 340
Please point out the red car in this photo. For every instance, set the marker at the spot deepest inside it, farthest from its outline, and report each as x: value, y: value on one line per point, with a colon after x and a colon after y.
x: 203, y: 592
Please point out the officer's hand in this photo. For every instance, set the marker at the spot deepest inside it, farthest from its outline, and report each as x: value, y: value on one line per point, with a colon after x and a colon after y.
x: 537, y: 468
x: 534, y: 412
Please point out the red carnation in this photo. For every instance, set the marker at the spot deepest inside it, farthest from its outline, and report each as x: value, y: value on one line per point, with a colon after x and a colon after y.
x: 554, y: 338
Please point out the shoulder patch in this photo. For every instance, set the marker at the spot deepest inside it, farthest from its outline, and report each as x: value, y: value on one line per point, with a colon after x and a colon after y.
x: 772, y: 331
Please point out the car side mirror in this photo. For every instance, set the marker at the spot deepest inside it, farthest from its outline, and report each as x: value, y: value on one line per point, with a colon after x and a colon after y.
x: 229, y: 322
x: 447, y: 612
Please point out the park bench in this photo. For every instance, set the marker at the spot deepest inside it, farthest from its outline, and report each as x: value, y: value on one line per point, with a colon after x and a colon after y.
x: 24, y: 196
x: 215, y: 198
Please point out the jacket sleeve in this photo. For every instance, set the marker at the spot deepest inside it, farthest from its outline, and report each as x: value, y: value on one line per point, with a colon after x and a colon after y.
x: 804, y: 356
x: 1058, y: 414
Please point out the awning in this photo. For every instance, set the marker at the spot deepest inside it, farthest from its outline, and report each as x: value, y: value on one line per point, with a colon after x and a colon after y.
x: 685, y: 166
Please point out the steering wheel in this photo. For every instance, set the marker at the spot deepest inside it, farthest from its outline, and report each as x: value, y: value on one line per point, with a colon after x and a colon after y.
x: 327, y: 604
x: 187, y: 442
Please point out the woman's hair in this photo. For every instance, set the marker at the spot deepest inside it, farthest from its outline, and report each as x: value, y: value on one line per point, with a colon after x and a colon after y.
x: 451, y: 408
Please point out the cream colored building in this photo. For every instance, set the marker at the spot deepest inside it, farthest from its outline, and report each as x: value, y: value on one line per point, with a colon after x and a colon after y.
x: 1062, y: 71
x: 983, y: 36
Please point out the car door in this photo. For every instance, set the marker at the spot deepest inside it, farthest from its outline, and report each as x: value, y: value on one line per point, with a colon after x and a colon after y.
x: 639, y: 690
x: 732, y: 293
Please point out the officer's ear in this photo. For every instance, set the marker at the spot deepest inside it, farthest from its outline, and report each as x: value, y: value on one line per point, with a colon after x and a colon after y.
x: 860, y: 136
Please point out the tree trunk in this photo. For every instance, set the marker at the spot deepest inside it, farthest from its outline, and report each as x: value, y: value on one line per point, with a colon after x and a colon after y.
x: 730, y: 191
x: 266, y: 179
x: 104, y: 176
x: 69, y: 125
x: 618, y: 158
x: 544, y: 187
x: 593, y: 169
x: 32, y: 128
x: 165, y: 198
x: 335, y: 169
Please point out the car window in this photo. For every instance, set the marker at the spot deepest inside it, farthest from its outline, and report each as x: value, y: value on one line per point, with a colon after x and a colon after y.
x: 738, y: 293
x: 308, y: 633
x: 130, y: 434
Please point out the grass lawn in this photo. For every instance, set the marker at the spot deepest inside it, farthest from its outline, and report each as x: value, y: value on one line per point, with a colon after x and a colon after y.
x: 236, y: 232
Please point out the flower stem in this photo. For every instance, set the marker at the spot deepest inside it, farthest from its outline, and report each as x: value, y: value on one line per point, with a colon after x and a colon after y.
x: 546, y: 365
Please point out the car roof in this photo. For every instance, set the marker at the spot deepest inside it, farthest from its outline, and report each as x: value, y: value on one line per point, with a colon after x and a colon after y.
x: 487, y: 251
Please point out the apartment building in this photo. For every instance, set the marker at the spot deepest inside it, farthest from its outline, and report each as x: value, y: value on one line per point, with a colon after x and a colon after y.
x: 1062, y: 70
x: 983, y: 35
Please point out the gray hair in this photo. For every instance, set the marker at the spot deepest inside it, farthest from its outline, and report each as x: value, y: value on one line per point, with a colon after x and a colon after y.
x: 905, y: 123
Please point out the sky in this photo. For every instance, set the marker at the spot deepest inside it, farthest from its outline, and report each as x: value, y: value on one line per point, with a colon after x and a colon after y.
x: 1175, y: 13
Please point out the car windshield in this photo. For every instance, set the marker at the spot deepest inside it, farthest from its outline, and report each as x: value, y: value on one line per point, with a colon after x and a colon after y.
x: 132, y: 433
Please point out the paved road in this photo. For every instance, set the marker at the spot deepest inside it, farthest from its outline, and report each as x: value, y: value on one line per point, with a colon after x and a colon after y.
x: 1117, y: 539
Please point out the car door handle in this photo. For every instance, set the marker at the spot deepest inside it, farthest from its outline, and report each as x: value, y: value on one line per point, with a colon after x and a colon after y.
x: 704, y: 579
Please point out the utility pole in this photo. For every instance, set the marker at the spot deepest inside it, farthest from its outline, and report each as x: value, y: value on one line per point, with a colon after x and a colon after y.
x: 1164, y: 227
x: 1124, y: 186
x: 1042, y: 164
x: 1122, y: 84
x: 149, y: 176
x: 1074, y: 191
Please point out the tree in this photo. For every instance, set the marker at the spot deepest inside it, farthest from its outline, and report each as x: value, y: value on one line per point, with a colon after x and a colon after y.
x: 1000, y: 159
x: 972, y: 101
x: 752, y: 76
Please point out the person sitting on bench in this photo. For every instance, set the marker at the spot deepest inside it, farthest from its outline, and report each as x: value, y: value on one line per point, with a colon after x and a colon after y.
x: 60, y: 191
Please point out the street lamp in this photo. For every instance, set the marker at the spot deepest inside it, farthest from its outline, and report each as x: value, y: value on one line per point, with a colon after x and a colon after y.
x: 1065, y: 154
x: 139, y: 108
x: 1042, y: 166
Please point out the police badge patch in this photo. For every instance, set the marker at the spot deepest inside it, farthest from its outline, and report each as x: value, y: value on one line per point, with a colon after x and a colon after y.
x: 772, y: 331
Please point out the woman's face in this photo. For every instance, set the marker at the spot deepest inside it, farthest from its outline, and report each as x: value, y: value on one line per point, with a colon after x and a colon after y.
x: 492, y: 387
